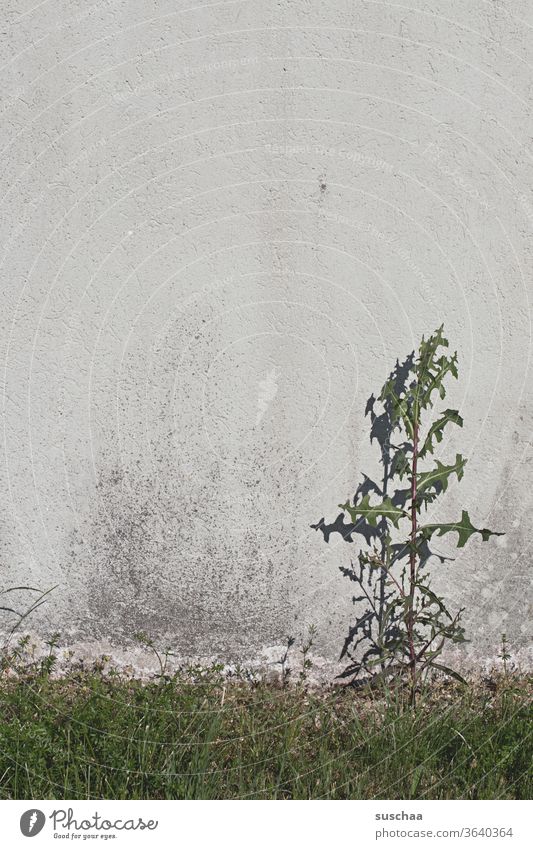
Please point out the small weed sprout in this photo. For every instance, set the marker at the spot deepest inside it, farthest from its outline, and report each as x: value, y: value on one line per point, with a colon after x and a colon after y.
x: 307, y: 645
x: 162, y: 655
x: 282, y: 662
x: 305, y: 648
x: 505, y: 654
x: 49, y: 661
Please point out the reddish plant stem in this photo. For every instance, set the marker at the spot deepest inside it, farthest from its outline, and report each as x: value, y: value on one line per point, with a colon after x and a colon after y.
x: 412, y: 562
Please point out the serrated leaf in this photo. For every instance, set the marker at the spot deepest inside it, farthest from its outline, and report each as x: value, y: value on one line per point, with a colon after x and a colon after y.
x: 434, y: 598
x: 439, y: 475
x: 371, y: 513
x: 432, y: 369
x: 436, y: 430
x: 465, y: 529
x: 399, y: 406
x: 400, y: 464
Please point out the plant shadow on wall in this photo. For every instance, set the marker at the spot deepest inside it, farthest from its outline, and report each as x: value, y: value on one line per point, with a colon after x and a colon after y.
x: 405, y: 626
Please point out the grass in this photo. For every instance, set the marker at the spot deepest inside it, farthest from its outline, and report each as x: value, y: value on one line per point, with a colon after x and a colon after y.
x: 199, y: 736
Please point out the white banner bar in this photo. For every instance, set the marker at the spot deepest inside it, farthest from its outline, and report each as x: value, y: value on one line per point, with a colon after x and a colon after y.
x: 246, y: 824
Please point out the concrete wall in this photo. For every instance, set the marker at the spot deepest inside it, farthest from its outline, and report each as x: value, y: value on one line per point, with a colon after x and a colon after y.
x: 221, y: 224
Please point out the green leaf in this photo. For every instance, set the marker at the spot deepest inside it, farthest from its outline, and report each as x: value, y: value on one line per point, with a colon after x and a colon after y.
x: 400, y: 464
x: 451, y: 672
x: 464, y: 528
x: 437, y: 429
x: 399, y: 406
x: 439, y: 475
x: 371, y: 513
x: 434, y: 598
x: 415, y: 781
x: 432, y: 369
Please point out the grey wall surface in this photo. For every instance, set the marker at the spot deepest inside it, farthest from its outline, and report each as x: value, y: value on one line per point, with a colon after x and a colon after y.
x: 221, y: 224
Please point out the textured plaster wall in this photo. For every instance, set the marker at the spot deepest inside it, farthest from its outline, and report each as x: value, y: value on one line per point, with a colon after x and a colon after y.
x: 221, y: 224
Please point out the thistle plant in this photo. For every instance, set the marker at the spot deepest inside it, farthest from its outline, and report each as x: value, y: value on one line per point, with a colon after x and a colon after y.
x: 413, y: 623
